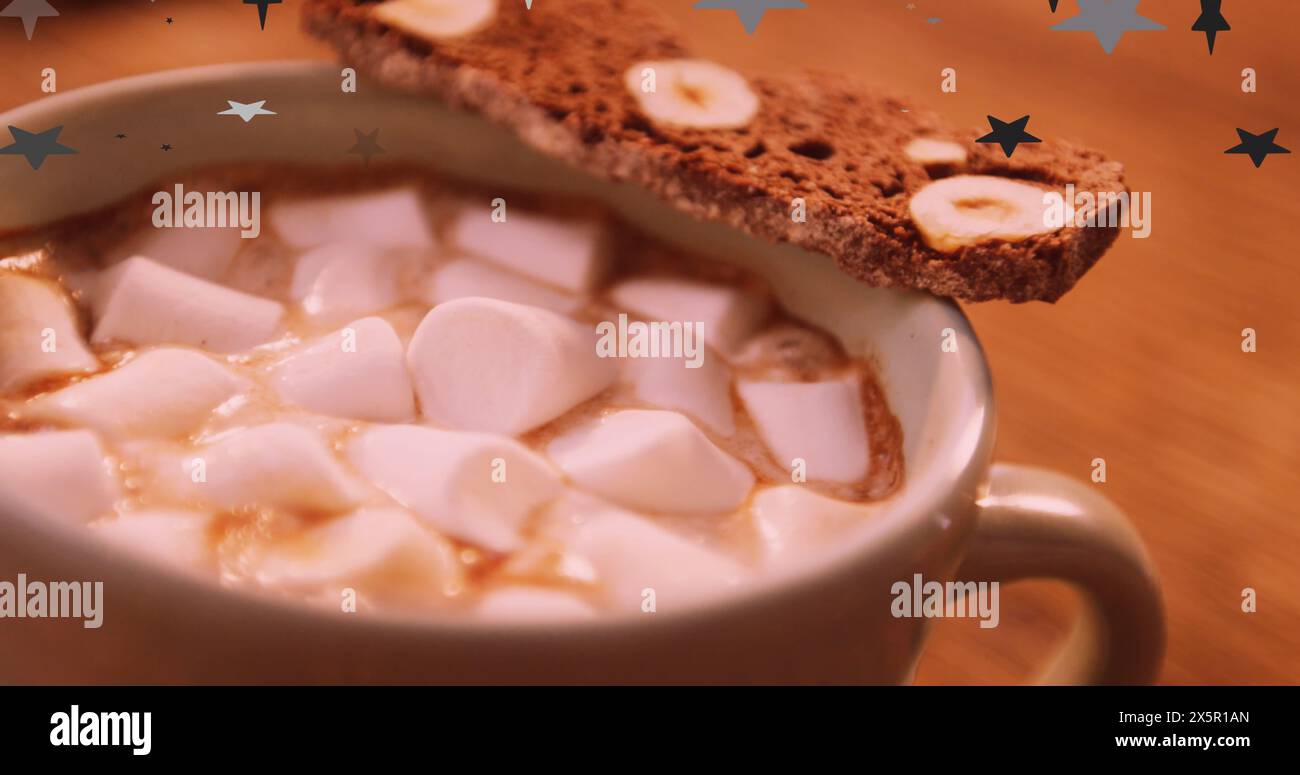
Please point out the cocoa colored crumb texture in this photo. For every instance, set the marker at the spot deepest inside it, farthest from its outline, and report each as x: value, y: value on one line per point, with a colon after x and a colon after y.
x: 555, y: 76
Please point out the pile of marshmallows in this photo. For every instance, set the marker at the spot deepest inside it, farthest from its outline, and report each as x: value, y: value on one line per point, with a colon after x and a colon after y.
x: 384, y: 444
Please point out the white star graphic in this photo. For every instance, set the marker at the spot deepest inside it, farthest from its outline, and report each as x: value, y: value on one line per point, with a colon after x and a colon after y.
x: 246, y: 111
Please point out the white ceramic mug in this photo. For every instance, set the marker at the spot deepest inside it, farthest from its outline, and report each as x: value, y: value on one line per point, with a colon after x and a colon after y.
x: 957, y: 516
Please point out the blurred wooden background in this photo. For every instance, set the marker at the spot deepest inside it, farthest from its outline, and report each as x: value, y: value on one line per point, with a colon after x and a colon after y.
x: 1141, y: 364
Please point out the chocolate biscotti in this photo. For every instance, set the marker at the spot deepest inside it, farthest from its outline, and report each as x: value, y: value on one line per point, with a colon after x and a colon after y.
x: 895, y: 196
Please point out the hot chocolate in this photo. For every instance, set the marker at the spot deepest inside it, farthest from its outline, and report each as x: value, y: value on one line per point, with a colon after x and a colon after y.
x: 412, y: 393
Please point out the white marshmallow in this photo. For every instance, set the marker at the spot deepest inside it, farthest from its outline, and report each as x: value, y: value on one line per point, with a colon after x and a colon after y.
x: 559, y: 251
x: 631, y: 554
x: 277, y: 465
x: 532, y: 604
x: 57, y: 475
x: 204, y: 253
x: 729, y: 314
x: 357, y: 372
x: 822, y: 423
x: 160, y: 393
x: 176, y: 538
x: 38, y: 333
x: 488, y: 365
x: 468, y: 277
x: 384, y: 219
x: 472, y: 486
x: 341, y: 280
x: 794, y: 523
x: 656, y: 461
x: 703, y: 393
x: 144, y: 302
x: 369, y: 545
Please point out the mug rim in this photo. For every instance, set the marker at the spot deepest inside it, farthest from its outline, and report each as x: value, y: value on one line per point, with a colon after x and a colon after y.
x: 81, y: 548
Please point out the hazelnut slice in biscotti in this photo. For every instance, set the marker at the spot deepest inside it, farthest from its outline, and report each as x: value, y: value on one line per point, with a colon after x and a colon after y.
x: 895, y: 196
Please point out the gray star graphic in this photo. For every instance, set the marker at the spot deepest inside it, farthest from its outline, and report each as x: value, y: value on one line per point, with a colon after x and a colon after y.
x: 1108, y: 20
x: 246, y: 111
x: 29, y: 11
x: 35, y: 146
x: 367, y: 145
x: 750, y: 11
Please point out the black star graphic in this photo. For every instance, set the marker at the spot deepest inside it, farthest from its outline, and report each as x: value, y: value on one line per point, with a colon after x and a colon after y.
x: 1257, y: 147
x: 120, y: 136
x: 35, y: 146
x: 166, y: 146
x: 1008, y: 135
x: 261, y: 8
x: 367, y: 145
x: 168, y: 20
x: 1054, y: 3
x: 1211, y: 21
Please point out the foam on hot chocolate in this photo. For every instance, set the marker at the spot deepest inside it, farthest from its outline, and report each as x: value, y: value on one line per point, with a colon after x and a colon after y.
x: 397, y: 390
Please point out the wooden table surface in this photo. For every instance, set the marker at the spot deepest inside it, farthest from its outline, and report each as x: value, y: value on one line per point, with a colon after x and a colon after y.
x: 1141, y: 365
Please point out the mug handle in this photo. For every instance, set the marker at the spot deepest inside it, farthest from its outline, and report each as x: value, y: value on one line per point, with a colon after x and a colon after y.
x: 1035, y: 523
